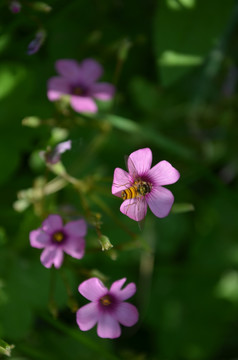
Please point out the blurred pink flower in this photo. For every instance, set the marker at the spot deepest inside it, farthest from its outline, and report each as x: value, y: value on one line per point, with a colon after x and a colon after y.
x: 143, y: 186
x: 15, y: 6
x: 53, y: 156
x: 57, y: 238
x: 79, y: 80
x: 107, y: 307
x: 37, y: 42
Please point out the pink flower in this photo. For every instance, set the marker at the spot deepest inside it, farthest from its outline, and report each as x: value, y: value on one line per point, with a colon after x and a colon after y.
x: 57, y: 238
x: 36, y: 43
x: 53, y: 156
x: 15, y: 6
x: 143, y: 185
x: 107, y: 307
x: 79, y: 81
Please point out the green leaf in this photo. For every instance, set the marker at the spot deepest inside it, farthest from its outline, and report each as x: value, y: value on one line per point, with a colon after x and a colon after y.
x: 185, y: 32
x: 4, y: 41
x: 10, y: 76
x: 3, y: 236
x: 182, y: 207
x: 227, y: 287
x: 144, y: 93
x: 171, y: 58
x: 150, y: 135
x: 9, y: 162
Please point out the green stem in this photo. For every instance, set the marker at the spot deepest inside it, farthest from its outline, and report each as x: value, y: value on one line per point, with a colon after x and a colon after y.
x: 71, y: 300
x: 52, y: 304
x: 33, y: 353
x: 110, y: 213
x: 80, y: 337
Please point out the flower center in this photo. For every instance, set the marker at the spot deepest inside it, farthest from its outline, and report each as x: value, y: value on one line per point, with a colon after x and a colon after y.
x: 78, y: 91
x: 58, y: 236
x: 106, y: 300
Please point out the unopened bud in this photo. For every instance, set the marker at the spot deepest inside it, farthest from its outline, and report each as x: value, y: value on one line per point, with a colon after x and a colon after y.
x: 105, y: 243
x: 31, y: 121
x: 36, y: 43
x: 21, y: 205
x: 41, y: 6
x: 5, y: 349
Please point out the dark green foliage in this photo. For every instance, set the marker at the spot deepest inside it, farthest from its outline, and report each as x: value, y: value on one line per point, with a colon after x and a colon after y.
x: 170, y: 61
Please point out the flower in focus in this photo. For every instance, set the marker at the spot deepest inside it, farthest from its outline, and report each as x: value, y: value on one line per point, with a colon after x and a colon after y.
x: 79, y: 80
x: 107, y: 307
x: 53, y: 156
x: 36, y: 43
x: 143, y: 186
x: 15, y: 7
x: 57, y: 238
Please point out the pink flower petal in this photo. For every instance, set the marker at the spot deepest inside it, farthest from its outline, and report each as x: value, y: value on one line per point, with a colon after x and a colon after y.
x: 91, y: 70
x: 141, y: 160
x: 102, y: 91
x: 87, y: 316
x: 122, y: 294
x: 160, y: 201
x: 53, y: 156
x: 117, y: 285
x: 52, y: 223
x: 69, y: 68
x: 163, y: 173
x: 83, y: 104
x: 77, y: 228
x: 52, y: 256
x: 15, y: 7
x: 134, y: 208
x: 127, y: 314
x: 92, y: 289
x: 63, y: 146
x: 74, y: 247
x: 121, y: 181
x: 108, y: 327
x: 57, y: 86
x: 39, y: 239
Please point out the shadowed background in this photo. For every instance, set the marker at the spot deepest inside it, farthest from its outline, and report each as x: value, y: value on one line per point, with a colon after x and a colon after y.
x: 174, y: 63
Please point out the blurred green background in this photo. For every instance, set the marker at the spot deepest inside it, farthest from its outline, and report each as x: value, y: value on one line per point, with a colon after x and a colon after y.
x: 174, y: 63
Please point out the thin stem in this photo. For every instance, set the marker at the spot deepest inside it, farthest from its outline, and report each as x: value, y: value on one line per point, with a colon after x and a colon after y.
x: 80, y: 337
x: 110, y: 213
x: 71, y: 300
x: 52, y: 304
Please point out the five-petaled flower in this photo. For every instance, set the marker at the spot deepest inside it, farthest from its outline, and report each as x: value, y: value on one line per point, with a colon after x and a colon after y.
x: 57, y: 238
x: 79, y: 80
x: 107, y: 307
x: 52, y: 156
x: 143, y: 185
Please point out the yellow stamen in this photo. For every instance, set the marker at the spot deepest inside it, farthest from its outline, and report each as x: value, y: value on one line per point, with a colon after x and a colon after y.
x: 106, y: 300
x: 78, y: 91
x: 58, y: 236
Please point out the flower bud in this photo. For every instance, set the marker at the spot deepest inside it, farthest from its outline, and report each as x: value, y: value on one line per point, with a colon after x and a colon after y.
x: 31, y: 121
x: 36, y: 43
x: 5, y: 349
x: 41, y: 6
x: 105, y: 243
